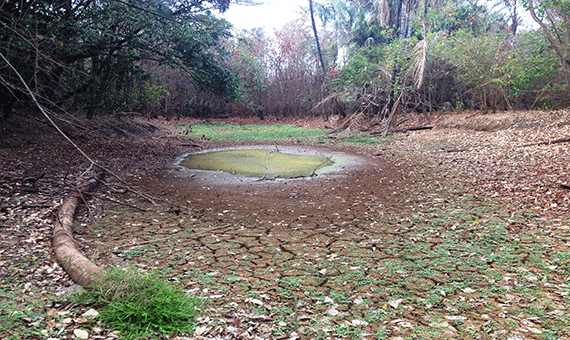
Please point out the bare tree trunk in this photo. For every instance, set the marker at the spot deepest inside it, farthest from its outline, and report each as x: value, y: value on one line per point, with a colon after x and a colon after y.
x: 515, y: 19
x: 317, y: 38
x: 398, y: 22
x: 403, y: 25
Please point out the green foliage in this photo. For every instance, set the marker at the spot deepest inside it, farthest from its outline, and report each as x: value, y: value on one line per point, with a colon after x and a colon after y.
x: 254, y: 133
x: 481, y: 59
x: 15, y: 318
x: 493, y: 71
x: 363, y: 68
x: 533, y: 70
x: 22, y: 305
x: 247, y: 62
x: 373, y: 67
x: 354, y: 21
x: 155, y: 93
x: 467, y: 16
x: 141, y: 305
x: 96, y: 54
x: 348, y: 331
x: 469, y: 61
x: 480, y: 64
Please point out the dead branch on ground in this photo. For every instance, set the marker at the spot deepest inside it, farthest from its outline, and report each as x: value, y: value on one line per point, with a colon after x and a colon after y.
x: 413, y: 128
x: 330, y: 106
x: 266, y: 166
x: 556, y: 141
x: 390, y: 119
x: 116, y: 201
x: 314, y: 173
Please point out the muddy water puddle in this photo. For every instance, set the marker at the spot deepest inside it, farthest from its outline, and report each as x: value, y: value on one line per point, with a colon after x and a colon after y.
x: 260, y: 163
x: 266, y: 163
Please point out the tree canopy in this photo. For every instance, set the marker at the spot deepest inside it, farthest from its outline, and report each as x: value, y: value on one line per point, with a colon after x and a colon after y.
x: 92, y: 51
x: 169, y: 57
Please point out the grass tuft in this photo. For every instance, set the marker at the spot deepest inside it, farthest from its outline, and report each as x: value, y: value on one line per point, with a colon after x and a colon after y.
x: 141, y: 305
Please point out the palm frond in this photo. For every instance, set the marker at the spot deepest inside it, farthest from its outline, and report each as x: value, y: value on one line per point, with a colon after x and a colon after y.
x: 419, y: 65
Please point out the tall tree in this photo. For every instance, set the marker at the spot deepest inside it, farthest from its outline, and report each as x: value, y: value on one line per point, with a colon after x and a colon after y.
x: 317, y: 38
x: 554, y: 19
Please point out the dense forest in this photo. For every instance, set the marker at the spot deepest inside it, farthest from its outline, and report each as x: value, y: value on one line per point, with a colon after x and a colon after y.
x: 374, y: 58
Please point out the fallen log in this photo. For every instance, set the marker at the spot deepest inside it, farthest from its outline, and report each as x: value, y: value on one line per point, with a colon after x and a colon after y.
x: 455, y: 150
x: 413, y: 128
x: 556, y: 141
x: 78, y: 267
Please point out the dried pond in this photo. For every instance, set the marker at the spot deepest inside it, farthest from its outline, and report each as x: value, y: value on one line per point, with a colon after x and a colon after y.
x: 263, y: 163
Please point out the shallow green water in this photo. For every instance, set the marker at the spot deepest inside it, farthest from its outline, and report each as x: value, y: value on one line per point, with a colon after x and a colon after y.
x: 262, y: 163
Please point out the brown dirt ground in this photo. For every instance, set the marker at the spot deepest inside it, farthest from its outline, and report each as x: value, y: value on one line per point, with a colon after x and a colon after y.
x: 301, y: 258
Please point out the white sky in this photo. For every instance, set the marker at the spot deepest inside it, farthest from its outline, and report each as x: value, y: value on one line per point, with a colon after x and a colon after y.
x: 274, y: 14
x: 271, y: 14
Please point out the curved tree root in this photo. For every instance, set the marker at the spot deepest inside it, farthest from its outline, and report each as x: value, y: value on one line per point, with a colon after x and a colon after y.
x: 78, y: 267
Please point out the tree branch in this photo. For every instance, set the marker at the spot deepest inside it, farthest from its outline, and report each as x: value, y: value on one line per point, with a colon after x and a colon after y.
x: 548, y: 35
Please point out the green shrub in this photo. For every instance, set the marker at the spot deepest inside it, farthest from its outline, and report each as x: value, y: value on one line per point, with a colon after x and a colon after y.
x: 536, y: 80
x: 362, y: 69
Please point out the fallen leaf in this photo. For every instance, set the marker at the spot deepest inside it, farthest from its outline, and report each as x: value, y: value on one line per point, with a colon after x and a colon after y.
x: 332, y: 311
x: 80, y: 320
x: 201, y: 330
x: 359, y: 323
x: 81, y: 334
x: 50, y: 324
x: 91, y: 313
x: 395, y: 303
x: 255, y: 301
x: 439, y: 324
x: 455, y: 317
x: 51, y: 313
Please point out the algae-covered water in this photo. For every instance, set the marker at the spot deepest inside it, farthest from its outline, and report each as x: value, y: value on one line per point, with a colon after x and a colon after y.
x: 261, y: 163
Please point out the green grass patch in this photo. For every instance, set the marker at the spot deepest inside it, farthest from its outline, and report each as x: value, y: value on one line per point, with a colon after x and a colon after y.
x: 251, y: 133
x: 141, y: 305
x: 20, y: 318
x: 362, y: 140
x: 365, y: 138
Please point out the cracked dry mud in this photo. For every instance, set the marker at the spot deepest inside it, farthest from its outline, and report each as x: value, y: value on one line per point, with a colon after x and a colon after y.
x: 449, y: 233
x: 388, y: 249
x: 274, y: 248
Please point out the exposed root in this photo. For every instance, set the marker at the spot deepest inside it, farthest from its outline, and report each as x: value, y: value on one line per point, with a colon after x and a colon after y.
x: 77, y: 266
